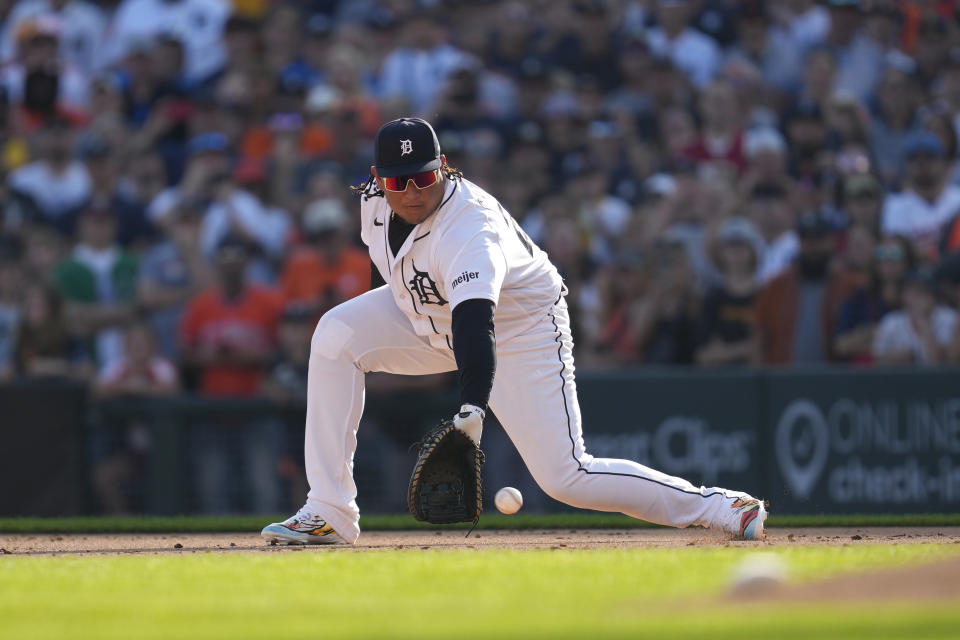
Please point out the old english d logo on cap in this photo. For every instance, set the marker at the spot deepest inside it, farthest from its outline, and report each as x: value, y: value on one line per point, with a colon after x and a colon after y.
x: 405, y: 146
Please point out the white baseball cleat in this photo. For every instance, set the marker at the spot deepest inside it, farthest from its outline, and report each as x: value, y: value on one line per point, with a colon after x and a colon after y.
x: 303, y: 528
x: 744, y: 516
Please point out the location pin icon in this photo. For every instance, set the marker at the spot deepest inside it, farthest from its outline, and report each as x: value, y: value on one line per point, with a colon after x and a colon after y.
x: 802, y: 475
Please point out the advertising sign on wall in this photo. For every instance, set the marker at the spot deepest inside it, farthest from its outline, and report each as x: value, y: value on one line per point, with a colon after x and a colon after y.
x: 865, y: 442
x: 696, y: 427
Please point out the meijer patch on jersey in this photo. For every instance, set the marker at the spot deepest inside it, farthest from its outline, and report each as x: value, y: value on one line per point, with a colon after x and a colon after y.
x: 466, y: 276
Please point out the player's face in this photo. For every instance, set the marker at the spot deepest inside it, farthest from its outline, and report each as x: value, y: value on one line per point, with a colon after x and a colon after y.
x: 414, y: 205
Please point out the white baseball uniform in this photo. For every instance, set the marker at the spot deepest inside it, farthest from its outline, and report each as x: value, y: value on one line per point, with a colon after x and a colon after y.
x: 472, y: 248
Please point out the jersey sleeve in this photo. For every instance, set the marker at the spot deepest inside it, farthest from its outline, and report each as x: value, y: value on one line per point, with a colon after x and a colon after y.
x: 472, y: 266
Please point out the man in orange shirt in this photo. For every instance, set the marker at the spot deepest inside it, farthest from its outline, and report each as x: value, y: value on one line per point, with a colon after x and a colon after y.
x: 326, y: 270
x: 228, y: 336
x: 228, y: 332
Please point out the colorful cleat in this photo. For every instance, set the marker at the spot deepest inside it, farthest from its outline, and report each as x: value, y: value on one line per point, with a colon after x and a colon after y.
x: 746, y: 517
x: 302, y: 528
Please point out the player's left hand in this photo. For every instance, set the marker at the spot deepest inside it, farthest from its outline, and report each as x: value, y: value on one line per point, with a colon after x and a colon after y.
x: 470, y: 421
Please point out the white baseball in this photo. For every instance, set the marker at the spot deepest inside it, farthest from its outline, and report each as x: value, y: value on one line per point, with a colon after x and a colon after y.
x: 508, y: 500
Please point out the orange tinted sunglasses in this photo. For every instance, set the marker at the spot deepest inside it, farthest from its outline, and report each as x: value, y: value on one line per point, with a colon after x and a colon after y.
x: 422, y: 180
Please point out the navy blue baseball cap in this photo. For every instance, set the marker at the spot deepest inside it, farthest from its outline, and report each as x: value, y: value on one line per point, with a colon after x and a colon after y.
x: 923, y: 142
x: 405, y: 146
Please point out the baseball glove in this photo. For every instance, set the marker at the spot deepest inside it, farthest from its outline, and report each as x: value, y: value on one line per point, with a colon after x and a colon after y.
x: 446, y: 485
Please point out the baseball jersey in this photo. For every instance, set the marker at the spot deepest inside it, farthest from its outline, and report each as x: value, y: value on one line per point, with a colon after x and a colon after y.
x: 471, y: 247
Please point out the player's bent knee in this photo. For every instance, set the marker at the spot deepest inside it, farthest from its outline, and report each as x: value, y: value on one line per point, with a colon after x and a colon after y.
x: 330, y: 336
x: 562, y: 488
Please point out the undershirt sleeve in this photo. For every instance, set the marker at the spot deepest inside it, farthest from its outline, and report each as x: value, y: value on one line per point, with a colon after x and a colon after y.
x: 475, y: 350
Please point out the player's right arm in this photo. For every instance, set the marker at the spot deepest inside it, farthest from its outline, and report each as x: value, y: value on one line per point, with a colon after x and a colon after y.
x: 471, y: 262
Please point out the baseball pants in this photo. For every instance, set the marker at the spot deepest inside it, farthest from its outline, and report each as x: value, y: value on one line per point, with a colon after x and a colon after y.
x: 534, y: 396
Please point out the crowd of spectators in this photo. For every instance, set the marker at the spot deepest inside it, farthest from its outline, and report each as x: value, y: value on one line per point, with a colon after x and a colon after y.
x: 720, y: 182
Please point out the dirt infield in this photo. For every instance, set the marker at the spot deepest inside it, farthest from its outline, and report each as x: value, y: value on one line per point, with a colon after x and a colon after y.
x: 932, y: 582
x: 39, y: 544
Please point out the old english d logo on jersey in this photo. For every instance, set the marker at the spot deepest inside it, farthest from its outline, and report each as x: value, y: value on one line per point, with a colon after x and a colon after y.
x: 425, y: 288
x: 406, y: 146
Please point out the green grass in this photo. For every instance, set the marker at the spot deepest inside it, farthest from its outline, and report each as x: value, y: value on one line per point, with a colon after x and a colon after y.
x: 574, y: 520
x: 329, y: 593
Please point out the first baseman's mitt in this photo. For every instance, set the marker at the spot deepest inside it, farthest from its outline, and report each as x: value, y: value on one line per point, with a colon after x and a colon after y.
x: 446, y: 485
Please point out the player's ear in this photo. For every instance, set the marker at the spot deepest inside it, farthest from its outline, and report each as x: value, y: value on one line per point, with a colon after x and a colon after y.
x: 443, y: 160
x: 373, y: 171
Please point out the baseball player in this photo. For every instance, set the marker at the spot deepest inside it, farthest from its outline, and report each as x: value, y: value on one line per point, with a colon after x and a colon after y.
x: 467, y: 290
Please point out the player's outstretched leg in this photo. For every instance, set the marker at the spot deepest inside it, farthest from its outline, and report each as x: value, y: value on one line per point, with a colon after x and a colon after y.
x: 367, y: 333
x: 535, y: 398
